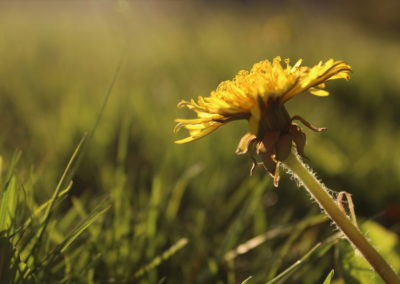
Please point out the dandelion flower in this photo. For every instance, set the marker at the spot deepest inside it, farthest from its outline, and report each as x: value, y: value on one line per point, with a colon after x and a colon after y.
x: 259, y: 96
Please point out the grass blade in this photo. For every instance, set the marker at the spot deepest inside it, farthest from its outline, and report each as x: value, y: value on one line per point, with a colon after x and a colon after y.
x: 56, y: 193
x: 320, y: 247
x: 100, y: 210
x: 246, y: 281
x: 164, y: 256
x: 76, y: 232
x: 8, y: 205
x: 328, y: 279
x: 9, y: 196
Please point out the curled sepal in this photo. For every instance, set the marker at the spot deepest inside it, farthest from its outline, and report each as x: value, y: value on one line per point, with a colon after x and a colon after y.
x: 244, y: 143
x: 306, y: 123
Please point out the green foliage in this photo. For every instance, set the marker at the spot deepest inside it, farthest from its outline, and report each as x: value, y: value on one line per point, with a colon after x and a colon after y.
x: 132, y: 207
x: 328, y: 278
x: 355, y: 269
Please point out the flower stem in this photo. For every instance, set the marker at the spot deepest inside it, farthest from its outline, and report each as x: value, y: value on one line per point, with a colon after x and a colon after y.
x: 319, y: 193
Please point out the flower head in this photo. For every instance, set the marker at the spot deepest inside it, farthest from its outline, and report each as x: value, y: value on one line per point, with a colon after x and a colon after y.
x: 259, y: 95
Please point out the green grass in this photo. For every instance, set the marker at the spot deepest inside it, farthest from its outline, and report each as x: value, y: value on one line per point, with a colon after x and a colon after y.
x: 133, y: 207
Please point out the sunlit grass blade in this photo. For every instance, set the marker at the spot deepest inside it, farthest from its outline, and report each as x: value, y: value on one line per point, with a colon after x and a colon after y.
x: 295, y: 233
x: 317, y: 249
x: 45, y: 205
x: 8, y: 205
x: 8, y: 196
x: 75, y: 233
x: 161, y: 258
x: 97, y: 212
x: 12, y: 166
x: 63, y: 180
x: 79, y: 207
x: 36, y: 241
x: 328, y: 278
x: 246, y: 281
x: 273, y: 233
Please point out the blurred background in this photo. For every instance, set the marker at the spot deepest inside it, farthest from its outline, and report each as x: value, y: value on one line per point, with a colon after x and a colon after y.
x: 57, y: 61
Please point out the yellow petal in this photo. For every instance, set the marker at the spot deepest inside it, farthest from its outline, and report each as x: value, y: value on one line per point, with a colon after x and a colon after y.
x: 318, y: 92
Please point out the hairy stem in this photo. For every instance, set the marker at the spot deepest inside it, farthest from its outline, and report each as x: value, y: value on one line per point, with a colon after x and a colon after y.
x: 319, y: 193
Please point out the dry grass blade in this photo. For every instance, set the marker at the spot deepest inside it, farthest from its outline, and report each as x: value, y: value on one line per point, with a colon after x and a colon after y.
x: 260, y: 239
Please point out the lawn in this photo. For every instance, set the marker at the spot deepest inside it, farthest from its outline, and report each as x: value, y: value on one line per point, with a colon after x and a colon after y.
x: 94, y: 190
